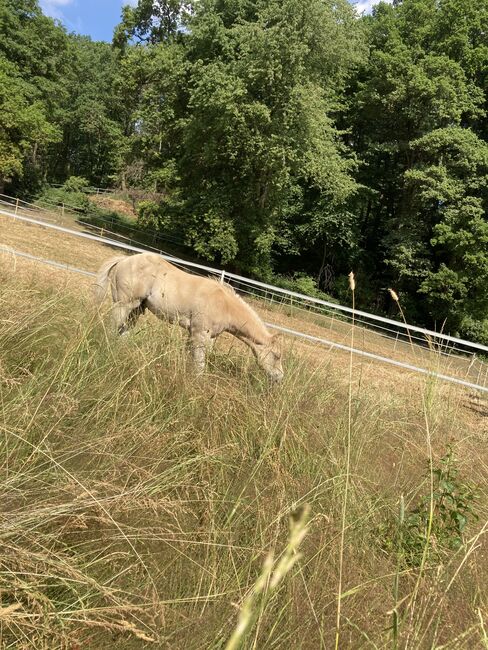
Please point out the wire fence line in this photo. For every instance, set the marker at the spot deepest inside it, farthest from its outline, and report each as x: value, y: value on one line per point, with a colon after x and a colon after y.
x: 60, y: 209
x: 89, y: 189
x: 260, y: 288
x: 443, y: 344
x: 386, y: 333
x: 377, y: 357
x: 312, y: 305
x: 285, y: 330
x: 58, y: 265
x: 18, y: 204
x: 383, y: 331
x: 104, y: 231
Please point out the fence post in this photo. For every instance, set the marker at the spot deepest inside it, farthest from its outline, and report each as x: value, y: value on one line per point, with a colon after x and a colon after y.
x: 473, y: 359
x: 16, y: 205
x: 396, y: 341
x: 222, y: 275
x: 62, y: 209
x: 479, y: 375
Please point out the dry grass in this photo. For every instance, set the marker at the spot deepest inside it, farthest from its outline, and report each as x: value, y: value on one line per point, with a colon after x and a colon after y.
x: 139, y: 504
x: 111, y: 203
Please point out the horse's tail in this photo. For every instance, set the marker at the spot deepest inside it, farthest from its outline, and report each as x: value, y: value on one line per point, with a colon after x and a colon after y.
x: 103, y: 277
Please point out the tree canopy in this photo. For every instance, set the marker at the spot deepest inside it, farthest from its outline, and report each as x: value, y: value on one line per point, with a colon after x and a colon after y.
x: 288, y: 137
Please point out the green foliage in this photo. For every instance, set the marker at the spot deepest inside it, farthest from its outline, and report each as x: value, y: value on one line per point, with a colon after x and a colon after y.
x: 76, y: 184
x: 450, y: 183
x: 285, y: 137
x: 71, y: 194
x: 474, y: 330
x: 301, y: 283
x: 150, y: 21
x: 31, y: 64
x: 418, y: 115
x: 213, y: 237
x: 93, y: 132
x: 445, y: 512
x: 151, y: 215
x: 148, y: 85
x: 259, y: 113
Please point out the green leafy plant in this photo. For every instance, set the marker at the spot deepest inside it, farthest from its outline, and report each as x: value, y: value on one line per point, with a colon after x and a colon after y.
x: 453, y: 506
x: 150, y: 215
x: 76, y: 184
x: 71, y: 195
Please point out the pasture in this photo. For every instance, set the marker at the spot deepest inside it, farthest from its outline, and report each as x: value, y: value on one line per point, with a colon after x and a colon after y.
x: 140, y: 503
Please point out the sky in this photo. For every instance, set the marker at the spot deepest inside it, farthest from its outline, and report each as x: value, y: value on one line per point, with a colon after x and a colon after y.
x: 97, y: 18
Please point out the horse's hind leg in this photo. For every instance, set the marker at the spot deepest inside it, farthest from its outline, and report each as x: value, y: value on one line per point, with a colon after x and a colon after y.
x: 125, y: 315
x: 134, y: 315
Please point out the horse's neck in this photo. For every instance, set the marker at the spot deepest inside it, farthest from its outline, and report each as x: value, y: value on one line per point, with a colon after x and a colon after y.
x: 246, y: 324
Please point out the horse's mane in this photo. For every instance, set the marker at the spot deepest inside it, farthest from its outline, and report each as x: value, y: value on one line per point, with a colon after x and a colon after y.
x: 226, y: 287
x: 229, y: 289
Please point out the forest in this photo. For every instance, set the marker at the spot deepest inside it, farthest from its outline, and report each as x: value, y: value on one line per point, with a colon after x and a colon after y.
x: 279, y: 138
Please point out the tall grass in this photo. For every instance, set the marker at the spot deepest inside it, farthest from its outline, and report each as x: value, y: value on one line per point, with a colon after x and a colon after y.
x: 139, y: 503
x: 347, y: 469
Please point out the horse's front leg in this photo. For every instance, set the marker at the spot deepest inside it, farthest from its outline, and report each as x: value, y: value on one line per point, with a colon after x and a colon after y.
x: 200, y: 342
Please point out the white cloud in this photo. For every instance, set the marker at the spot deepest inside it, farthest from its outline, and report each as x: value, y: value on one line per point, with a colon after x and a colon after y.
x: 53, y: 8
x: 365, y: 6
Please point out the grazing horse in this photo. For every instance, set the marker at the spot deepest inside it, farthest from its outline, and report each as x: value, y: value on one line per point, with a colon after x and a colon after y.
x: 203, y: 306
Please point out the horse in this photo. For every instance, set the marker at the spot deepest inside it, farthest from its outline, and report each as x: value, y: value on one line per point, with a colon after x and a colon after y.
x: 203, y: 306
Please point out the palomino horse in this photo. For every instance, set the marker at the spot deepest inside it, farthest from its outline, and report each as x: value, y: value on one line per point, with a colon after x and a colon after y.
x: 203, y: 306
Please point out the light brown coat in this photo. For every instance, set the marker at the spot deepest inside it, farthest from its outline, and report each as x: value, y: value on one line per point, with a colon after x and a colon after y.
x: 203, y: 306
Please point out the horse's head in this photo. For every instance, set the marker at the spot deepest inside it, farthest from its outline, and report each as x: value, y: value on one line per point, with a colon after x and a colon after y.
x: 268, y: 356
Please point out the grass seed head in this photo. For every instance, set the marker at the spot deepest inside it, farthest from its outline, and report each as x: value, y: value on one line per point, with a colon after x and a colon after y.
x: 352, y: 281
x: 394, y: 295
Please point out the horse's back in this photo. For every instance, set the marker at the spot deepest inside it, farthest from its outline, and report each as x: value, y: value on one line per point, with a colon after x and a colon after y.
x: 170, y: 290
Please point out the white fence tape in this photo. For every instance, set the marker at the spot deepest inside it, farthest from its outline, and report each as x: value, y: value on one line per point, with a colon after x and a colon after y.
x: 377, y: 357
x: 428, y: 334
x: 57, y: 265
x: 286, y: 330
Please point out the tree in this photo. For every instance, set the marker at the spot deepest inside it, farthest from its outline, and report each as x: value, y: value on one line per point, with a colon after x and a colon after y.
x: 32, y: 50
x: 149, y: 85
x: 416, y: 90
x: 150, y: 22
x: 450, y: 183
x: 258, y: 137
x: 93, y: 138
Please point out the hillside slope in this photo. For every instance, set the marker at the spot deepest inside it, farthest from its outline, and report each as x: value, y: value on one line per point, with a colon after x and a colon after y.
x: 139, y: 503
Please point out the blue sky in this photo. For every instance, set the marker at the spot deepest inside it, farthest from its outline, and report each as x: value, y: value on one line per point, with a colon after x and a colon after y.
x: 97, y: 18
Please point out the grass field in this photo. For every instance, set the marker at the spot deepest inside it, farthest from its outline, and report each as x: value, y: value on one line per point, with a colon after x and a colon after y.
x: 139, y: 504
